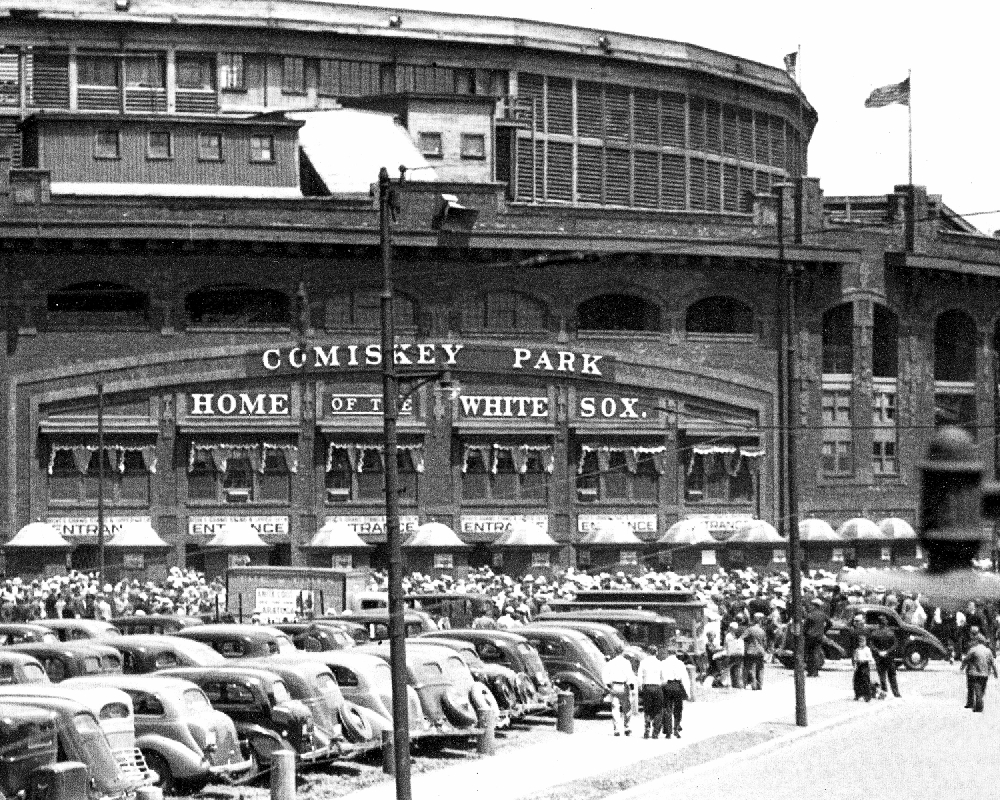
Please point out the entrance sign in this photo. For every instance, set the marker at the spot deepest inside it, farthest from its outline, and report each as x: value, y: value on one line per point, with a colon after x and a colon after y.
x: 497, y: 524
x: 639, y: 523
x: 273, y: 527
x: 86, y: 527
x: 374, y: 524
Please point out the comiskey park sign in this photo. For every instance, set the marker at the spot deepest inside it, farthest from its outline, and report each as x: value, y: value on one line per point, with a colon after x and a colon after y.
x: 362, y: 357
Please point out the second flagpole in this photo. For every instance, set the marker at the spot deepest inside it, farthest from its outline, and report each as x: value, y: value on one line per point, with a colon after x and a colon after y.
x: 909, y: 114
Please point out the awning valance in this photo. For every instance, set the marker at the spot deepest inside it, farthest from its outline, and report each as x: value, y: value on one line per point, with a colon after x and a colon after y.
x: 82, y: 454
x: 519, y: 454
x: 733, y: 456
x: 256, y: 453
x: 358, y: 453
x: 633, y: 455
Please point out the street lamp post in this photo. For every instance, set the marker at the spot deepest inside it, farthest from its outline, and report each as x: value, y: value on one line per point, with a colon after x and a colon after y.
x: 390, y: 411
x: 790, y: 511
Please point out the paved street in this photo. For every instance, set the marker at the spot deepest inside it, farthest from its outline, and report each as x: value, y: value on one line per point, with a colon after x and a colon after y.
x: 922, y: 746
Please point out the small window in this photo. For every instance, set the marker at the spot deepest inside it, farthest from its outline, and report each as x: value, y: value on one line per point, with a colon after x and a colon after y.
x: 159, y: 145
x: 344, y: 676
x: 106, y: 144
x: 232, y: 72
x: 237, y: 694
x: 473, y: 146
x: 230, y: 648
x: 431, y: 145
x: 262, y: 149
x: 293, y: 75
x: 210, y: 146
x: 195, y: 72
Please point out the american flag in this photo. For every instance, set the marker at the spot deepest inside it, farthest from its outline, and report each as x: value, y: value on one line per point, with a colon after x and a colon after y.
x: 887, y: 95
x: 791, y: 63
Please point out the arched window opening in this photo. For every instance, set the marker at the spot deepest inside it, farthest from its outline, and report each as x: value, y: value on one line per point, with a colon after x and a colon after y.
x: 885, y: 343
x: 954, y: 347
x: 97, y: 303
x: 363, y: 309
x: 838, y: 340
x: 618, y: 312
x: 505, y: 311
x: 719, y: 315
x: 237, y: 306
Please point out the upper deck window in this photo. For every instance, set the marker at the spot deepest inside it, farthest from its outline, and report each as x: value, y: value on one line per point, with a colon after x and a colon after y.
x: 97, y: 71
x: 293, y: 75
x: 232, y: 72
x: 195, y: 72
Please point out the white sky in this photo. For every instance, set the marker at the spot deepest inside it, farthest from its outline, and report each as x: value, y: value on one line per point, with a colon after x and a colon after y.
x: 848, y: 48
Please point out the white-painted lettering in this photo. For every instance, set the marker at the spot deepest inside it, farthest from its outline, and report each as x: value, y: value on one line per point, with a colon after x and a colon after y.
x: 226, y: 404
x: 373, y: 355
x: 590, y: 364
x: 521, y: 355
x: 608, y: 407
x: 201, y: 404
x: 326, y: 358
x: 252, y: 405
x: 544, y: 362
x: 451, y: 351
x: 399, y: 354
x: 470, y: 405
x: 296, y: 358
x: 425, y: 354
x: 540, y: 406
x: 628, y: 407
x: 352, y: 359
x: 279, y: 404
x: 566, y: 359
x: 587, y: 407
x: 272, y: 359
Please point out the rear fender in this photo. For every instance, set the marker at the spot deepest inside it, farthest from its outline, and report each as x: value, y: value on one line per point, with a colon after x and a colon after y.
x: 184, y: 762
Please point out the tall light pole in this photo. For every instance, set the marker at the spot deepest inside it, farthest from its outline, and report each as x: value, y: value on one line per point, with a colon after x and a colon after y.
x: 390, y: 412
x: 100, y: 482
x: 790, y: 511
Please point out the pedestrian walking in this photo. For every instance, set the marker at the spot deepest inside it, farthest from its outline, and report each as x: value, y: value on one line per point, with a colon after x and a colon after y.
x: 816, y: 624
x: 979, y: 664
x: 862, y: 659
x: 620, y: 680
x: 885, y: 646
x: 735, y: 652
x: 674, y: 677
x: 651, y: 694
x: 754, y: 650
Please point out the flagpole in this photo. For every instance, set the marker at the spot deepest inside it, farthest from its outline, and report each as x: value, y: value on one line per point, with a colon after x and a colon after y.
x: 798, y: 65
x: 909, y: 114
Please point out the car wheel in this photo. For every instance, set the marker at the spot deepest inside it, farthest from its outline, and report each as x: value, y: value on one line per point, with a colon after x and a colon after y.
x: 915, y: 657
x: 356, y: 726
x: 159, y: 765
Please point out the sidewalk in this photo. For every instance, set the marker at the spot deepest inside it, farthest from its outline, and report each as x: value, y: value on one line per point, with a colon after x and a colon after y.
x: 524, y: 771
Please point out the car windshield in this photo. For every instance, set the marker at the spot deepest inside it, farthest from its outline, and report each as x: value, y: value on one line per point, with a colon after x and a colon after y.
x: 195, y: 702
x: 91, y: 666
x: 280, y: 692
x: 531, y: 657
x: 34, y: 674
x: 592, y: 650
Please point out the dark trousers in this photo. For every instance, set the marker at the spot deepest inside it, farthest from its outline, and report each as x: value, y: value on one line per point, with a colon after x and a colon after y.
x: 651, y: 697
x: 736, y: 671
x: 977, y: 684
x: 755, y: 670
x: 886, y: 668
x: 673, y: 709
x: 814, y: 655
x: 863, y: 688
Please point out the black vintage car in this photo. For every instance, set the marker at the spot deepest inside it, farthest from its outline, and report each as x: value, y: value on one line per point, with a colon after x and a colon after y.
x: 155, y: 623
x: 73, y: 659
x: 317, y: 636
x: 240, y: 641
x: 24, y: 632
x: 30, y: 747
x: 573, y: 662
x: 265, y: 715
x: 143, y: 653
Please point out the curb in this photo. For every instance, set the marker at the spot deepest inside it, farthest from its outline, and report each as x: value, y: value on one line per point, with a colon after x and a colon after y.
x: 658, y: 785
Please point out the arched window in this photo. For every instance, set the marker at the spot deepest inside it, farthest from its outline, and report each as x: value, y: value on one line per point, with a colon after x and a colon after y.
x: 363, y: 309
x: 97, y: 303
x: 505, y: 311
x: 954, y: 347
x: 719, y: 315
x: 617, y: 312
x: 885, y: 343
x: 838, y: 340
x: 237, y: 306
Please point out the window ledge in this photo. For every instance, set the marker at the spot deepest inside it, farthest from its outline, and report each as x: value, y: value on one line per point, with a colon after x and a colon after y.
x: 736, y: 338
x: 597, y: 334
x: 221, y: 329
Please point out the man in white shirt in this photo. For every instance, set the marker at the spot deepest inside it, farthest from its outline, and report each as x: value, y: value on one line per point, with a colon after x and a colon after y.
x: 676, y: 689
x: 651, y: 693
x: 620, y: 680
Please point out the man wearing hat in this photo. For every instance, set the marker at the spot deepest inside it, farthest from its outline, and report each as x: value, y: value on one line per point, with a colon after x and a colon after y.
x: 815, y: 626
x: 754, y: 650
x: 676, y: 689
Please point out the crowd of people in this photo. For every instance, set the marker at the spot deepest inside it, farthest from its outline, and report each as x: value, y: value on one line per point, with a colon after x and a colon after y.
x: 82, y: 595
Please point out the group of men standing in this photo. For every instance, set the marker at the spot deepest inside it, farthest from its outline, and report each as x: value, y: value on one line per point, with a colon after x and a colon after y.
x: 663, y: 684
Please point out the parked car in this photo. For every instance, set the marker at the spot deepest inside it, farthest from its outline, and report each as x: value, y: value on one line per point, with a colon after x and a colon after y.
x: 30, y: 746
x: 337, y: 725
x: 637, y: 627
x: 459, y: 608
x: 81, y: 739
x: 377, y: 623
x: 72, y: 659
x: 365, y: 680
x: 112, y: 709
x: 367, y: 601
x: 317, y: 636
x: 501, y: 681
x: 916, y: 646
x: 358, y: 631
x: 607, y: 638
x: 183, y: 739
x: 510, y: 649
x: 573, y: 662
x: 20, y: 668
x: 154, y: 623
x: 24, y: 632
x: 443, y: 684
x: 240, y: 641
x: 142, y: 653
x: 69, y: 630
x: 265, y: 715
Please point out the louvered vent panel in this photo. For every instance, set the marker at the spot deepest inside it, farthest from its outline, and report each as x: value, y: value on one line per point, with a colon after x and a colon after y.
x: 617, y: 177
x: 674, y: 182
x: 530, y: 88
x: 10, y: 139
x: 746, y: 135
x: 697, y: 184
x: 145, y: 100
x: 673, y: 122
x: 10, y: 78
x: 647, y: 117
x: 525, y: 170
x: 559, y: 105
x: 762, y: 182
x: 50, y: 80
x: 196, y: 102
x: 713, y: 186
x: 761, y: 139
x: 746, y: 189
x: 713, y: 127
x: 730, y: 136
x: 93, y: 99
x: 696, y: 124
x: 589, y: 172
x: 559, y: 171
x: 617, y: 116
x: 589, y: 110
x: 777, y: 142
x: 730, y: 188
x: 647, y: 180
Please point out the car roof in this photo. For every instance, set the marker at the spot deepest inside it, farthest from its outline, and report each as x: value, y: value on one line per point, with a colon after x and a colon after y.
x: 148, y: 683
x: 349, y: 658
x: 78, y: 647
x: 179, y: 618
x: 381, y: 614
x: 61, y: 704
x: 554, y: 632
x: 79, y: 624
x: 447, y: 595
x: 34, y: 627
x: 225, y: 630
x: 224, y: 671
x: 16, y: 657
x: 478, y: 634
x: 600, y: 614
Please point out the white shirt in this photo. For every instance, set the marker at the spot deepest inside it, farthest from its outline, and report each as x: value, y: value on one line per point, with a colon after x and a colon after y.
x: 618, y: 670
x: 649, y: 670
x: 673, y: 669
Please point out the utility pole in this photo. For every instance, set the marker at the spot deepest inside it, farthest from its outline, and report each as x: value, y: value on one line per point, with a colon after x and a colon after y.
x: 100, y: 482
x: 390, y: 412
x: 790, y: 510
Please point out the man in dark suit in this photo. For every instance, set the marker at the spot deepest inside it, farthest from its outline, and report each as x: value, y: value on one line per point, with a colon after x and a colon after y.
x: 816, y: 624
x: 884, y: 645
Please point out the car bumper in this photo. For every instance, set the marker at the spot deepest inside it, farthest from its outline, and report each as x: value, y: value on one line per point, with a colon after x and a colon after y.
x: 230, y: 769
